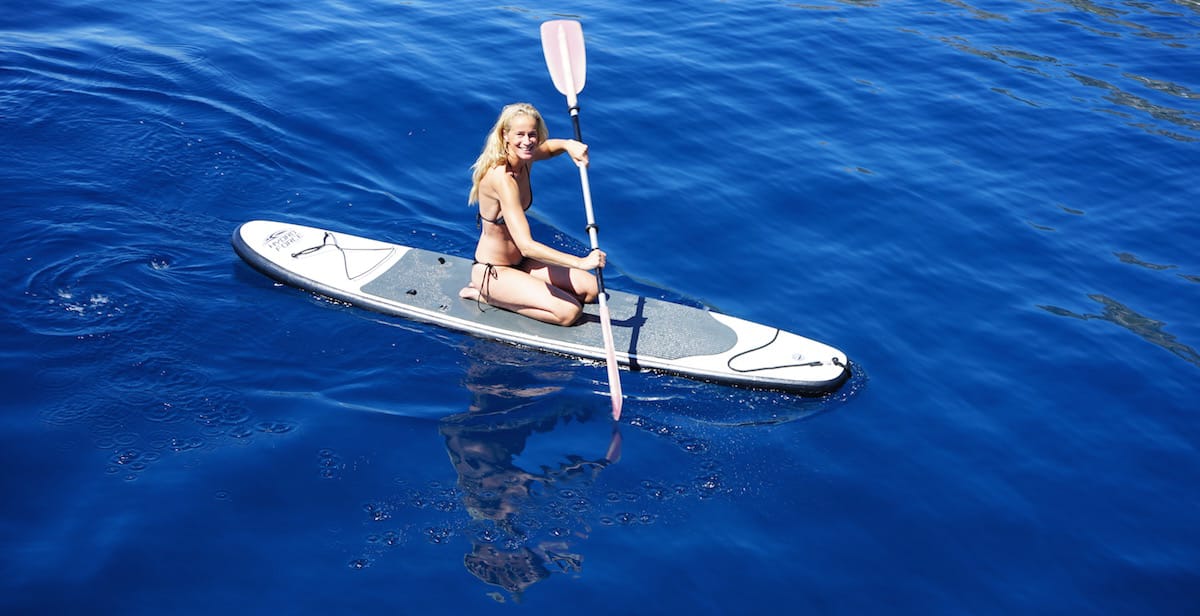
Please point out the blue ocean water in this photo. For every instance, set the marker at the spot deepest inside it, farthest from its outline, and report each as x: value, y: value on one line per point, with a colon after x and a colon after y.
x: 990, y: 206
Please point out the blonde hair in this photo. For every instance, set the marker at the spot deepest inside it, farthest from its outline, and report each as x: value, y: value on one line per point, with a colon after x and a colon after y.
x: 494, y: 151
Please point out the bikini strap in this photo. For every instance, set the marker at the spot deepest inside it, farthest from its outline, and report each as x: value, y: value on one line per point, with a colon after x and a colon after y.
x: 489, y: 272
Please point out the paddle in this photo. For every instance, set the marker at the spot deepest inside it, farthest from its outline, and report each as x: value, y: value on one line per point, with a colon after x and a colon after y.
x: 562, y: 42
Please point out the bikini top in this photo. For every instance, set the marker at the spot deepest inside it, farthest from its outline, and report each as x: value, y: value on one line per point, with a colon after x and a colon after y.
x: 499, y: 220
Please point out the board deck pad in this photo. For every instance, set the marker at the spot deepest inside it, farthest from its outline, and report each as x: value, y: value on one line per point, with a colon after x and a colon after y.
x: 648, y: 333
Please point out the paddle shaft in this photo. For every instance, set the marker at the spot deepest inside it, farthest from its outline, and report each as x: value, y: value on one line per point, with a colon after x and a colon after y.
x: 592, y: 230
x: 614, y: 373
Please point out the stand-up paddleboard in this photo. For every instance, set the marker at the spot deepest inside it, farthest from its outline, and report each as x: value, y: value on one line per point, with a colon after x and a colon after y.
x: 648, y: 333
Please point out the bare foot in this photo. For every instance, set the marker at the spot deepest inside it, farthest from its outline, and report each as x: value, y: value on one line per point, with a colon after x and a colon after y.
x: 470, y: 292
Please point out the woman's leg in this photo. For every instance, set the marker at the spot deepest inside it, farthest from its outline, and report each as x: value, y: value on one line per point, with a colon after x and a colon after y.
x: 582, y: 285
x: 521, y: 292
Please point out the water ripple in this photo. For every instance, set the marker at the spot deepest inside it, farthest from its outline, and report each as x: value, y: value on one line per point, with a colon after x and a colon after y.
x: 1148, y: 329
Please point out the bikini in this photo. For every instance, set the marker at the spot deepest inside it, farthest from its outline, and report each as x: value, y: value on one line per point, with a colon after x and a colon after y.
x: 479, y: 219
x: 499, y: 220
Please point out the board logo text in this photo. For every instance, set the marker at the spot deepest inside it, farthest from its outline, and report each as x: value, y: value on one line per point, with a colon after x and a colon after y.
x: 280, y: 240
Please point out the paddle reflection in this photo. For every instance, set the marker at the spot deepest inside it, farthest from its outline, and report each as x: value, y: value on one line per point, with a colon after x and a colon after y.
x: 526, y: 490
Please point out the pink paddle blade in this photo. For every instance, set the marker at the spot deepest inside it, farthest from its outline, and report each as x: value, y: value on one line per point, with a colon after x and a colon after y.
x: 562, y: 43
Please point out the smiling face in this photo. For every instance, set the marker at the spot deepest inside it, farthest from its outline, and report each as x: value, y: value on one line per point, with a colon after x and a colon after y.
x: 521, y: 138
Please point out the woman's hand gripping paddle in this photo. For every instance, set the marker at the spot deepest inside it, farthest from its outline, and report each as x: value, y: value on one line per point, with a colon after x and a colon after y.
x: 562, y: 42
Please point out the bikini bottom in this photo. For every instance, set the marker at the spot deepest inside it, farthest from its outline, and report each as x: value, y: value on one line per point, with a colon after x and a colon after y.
x: 489, y: 273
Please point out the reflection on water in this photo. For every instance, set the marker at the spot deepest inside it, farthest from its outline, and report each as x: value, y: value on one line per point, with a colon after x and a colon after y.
x: 513, y: 549
x: 528, y: 488
x: 1149, y: 329
x: 526, y: 508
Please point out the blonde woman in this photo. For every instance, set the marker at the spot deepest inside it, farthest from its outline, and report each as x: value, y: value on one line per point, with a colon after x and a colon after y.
x: 512, y: 270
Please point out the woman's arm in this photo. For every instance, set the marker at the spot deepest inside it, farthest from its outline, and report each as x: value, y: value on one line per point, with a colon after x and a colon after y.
x: 553, y: 147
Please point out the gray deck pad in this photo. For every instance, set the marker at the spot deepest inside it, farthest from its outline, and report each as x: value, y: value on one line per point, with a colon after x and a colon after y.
x: 641, y: 326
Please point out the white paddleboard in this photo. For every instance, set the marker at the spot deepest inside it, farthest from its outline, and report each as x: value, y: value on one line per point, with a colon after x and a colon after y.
x: 648, y: 333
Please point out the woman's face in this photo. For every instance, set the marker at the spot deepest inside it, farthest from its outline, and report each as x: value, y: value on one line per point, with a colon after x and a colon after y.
x: 521, y: 138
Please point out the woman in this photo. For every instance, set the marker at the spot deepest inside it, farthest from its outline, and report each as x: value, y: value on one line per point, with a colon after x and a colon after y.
x: 512, y: 270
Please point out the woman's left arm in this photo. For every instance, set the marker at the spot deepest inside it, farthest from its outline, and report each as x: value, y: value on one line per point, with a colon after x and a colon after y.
x: 553, y: 147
